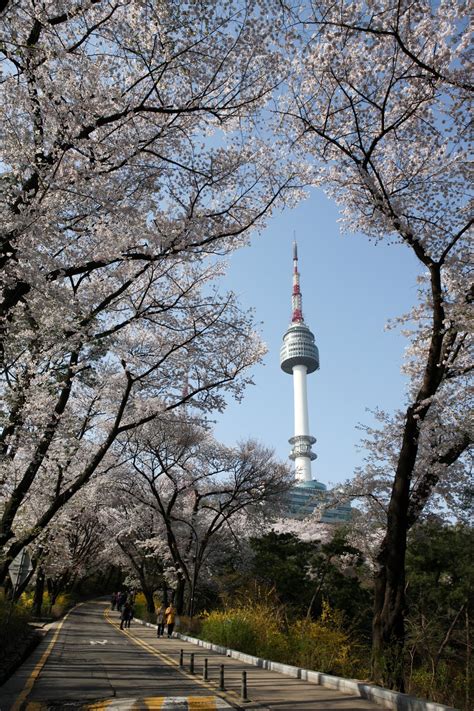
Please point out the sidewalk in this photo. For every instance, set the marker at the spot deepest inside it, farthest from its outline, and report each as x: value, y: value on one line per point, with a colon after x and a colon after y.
x: 266, y: 689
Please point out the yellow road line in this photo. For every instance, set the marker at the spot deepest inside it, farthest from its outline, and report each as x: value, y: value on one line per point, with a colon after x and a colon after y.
x: 37, y: 670
x: 154, y: 702
x: 145, y: 645
x: 201, y: 703
x: 167, y: 659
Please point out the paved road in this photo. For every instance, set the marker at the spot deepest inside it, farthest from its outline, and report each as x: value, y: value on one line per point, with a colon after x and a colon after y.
x: 89, y: 663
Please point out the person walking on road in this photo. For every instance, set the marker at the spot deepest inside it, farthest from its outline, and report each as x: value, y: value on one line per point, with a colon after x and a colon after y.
x: 130, y: 614
x: 113, y: 601
x: 160, y: 622
x: 121, y: 599
x: 170, y: 616
x: 125, y: 615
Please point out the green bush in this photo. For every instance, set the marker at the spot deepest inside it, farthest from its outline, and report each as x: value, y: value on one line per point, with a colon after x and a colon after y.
x: 15, y: 617
x: 449, y: 685
x: 254, y: 628
x: 140, y: 609
x: 260, y: 629
x: 230, y: 629
x: 325, y: 646
x: 14, y: 631
x: 62, y: 604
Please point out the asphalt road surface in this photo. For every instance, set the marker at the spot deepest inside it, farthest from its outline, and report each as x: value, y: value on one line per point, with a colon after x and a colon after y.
x: 93, y: 664
x: 87, y: 662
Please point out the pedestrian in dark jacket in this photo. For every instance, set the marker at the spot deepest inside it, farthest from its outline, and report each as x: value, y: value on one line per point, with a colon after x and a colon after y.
x: 130, y: 614
x: 160, y: 622
x: 121, y: 600
x: 126, y: 615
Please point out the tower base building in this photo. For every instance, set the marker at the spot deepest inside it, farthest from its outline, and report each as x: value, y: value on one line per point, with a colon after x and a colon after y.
x: 308, y: 496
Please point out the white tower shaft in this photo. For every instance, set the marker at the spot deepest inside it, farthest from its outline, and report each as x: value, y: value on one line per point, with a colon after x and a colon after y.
x: 300, y: 400
x: 300, y: 392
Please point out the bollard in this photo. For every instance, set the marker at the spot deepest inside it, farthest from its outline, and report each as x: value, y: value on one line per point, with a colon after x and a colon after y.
x: 243, y: 691
x: 181, y: 662
x: 191, y: 662
x: 221, y: 678
x: 205, y: 674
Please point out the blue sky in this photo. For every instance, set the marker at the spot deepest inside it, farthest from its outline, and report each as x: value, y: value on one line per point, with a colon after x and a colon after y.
x: 350, y: 288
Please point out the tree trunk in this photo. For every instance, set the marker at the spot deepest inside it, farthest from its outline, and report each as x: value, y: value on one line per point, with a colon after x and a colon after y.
x: 468, y: 659
x: 107, y: 578
x: 179, y: 595
x: 150, y: 603
x: 388, y: 629
x: 39, y: 592
x: 54, y: 588
x: 318, y: 590
x: 8, y: 587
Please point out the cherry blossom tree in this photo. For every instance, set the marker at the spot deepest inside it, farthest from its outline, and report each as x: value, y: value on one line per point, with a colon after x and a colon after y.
x: 129, y: 161
x: 143, y: 562
x: 199, y: 490
x: 75, y: 413
x: 70, y: 550
x: 75, y: 547
x: 379, y: 106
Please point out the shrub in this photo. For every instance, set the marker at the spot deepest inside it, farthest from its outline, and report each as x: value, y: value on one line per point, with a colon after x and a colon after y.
x: 189, y: 625
x: 140, y: 608
x: 449, y: 686
x: 259, y: 629
x: 62, y: 604
x: 254, y: 628
x: 14, y: 632
x: 324, y: 645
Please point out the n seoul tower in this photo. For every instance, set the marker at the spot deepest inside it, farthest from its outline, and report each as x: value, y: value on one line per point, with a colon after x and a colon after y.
x: 298, y: 357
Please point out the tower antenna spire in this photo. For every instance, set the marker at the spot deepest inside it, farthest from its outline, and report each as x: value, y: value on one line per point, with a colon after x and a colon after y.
x: 296, y: 298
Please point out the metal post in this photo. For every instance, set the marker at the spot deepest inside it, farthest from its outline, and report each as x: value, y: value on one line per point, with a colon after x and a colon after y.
x: 181, y: 662
x: 243, y: 692
x: 191, y: 662
x: 205, y: 673
x: 221, y: 678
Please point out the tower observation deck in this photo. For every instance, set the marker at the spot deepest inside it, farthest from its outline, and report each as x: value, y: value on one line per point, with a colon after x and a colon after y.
x: 299, y: 356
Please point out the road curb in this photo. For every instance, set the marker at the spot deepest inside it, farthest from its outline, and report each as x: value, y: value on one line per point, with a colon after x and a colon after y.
x: 384, y: 697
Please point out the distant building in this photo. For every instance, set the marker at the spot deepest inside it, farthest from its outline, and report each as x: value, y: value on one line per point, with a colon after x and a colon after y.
x: 307, y: 496
x: 299, y: 356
